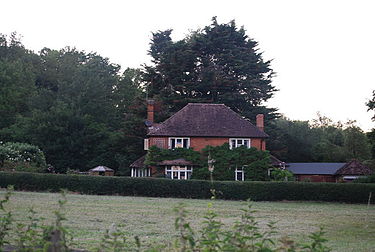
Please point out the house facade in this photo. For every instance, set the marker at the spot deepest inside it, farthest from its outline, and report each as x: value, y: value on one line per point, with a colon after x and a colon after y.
x: 196, y: 126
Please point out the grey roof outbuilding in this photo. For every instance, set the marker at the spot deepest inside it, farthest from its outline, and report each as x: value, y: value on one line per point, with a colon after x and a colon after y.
x: 353, y: 167
x: 314, y: 168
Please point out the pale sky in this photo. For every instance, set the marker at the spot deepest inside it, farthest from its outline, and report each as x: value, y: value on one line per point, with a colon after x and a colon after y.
x: 323, y: 51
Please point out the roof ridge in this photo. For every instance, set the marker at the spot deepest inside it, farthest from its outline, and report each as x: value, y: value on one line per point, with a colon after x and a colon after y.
x: 207, y: 104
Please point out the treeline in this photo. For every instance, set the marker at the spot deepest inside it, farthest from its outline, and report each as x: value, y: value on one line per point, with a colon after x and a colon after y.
x: 82, y: 111
x: 76, y: 106
x: 320, y: 140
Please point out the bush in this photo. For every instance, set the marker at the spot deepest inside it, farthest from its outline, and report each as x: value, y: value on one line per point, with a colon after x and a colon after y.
x: 21, y: 157
x: 200, y: 189
x: 368, y: 179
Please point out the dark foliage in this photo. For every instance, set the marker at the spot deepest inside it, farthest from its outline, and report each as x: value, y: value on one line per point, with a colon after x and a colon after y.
x: 319, y: 141
x: 152, y: 187
x: 76, y: 106
x: 218, y: 64
x: 371, y: 104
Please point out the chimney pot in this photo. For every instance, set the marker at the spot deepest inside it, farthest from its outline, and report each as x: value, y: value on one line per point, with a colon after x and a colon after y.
x: 150, y: 110
x: 260, y: 122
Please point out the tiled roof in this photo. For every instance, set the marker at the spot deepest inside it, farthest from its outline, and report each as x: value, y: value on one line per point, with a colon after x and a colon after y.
x: 314, y: 168
x: 207, y: 120
x: 275, y: 161
x: 139, y: 163
x: 354, y: 167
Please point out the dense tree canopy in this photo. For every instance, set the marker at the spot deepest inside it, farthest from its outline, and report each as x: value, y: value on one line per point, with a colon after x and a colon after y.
x: 218, y: 64
x: 71, y: 104
x: 322, y: 140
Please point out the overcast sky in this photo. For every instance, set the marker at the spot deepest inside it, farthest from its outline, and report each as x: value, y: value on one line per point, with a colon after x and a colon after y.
x: 323, y: 51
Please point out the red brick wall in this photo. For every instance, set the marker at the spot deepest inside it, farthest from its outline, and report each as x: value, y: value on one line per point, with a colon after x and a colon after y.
x: 258, y: 143
x: 198, y: 143
x: 316, y: 178
x: 161, y: 142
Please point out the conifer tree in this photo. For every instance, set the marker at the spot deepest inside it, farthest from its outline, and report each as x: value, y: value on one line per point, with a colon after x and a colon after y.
x: 218, y: 64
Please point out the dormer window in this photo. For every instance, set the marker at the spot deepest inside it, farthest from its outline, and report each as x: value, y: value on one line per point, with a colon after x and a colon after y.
x: 179, y: 142
x: 237, y: 142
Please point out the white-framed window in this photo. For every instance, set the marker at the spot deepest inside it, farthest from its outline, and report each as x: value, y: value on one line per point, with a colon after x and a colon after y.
x: 178, y: 172
x: 139, y: 172
x: 237, y: 142
x: 179, y: 142
x: 146, y: 144
x: 239, y: 174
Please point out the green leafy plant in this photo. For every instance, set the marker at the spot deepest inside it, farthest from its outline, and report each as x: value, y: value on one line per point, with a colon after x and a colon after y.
x: 281, y: 175
x: 5, y: 218
x: 21, y: 157
x: 254, y: 162
x: 116, y: 240
x: 57, y: 235
x: 29, y: 236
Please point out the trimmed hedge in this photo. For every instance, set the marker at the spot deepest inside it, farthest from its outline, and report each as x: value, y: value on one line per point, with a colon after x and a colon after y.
x: 199, y: 189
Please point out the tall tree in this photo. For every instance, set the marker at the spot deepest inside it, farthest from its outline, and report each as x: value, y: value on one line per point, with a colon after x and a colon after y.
x: 356, y: 143
x: 218, y: 64
x: 76, y: 113
x: 371, y: 104
x: 18, y: 68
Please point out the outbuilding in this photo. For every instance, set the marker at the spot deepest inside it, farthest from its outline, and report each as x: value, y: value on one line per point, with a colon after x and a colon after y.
x: 101, y: 171
x: 328, y: 172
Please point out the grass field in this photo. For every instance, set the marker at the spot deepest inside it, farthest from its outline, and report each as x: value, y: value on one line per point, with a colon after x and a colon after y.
x: 349, y: 227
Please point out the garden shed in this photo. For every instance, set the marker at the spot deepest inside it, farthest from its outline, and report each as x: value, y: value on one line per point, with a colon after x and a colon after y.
x: 102, y: 171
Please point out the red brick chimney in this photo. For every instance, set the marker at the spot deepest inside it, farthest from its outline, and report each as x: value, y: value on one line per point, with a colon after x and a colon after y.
x: 260, y: 122
x: 150, y: 110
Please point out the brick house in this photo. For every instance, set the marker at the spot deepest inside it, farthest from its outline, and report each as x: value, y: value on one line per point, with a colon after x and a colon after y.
x: 328, y: 172
x: 196, y: 126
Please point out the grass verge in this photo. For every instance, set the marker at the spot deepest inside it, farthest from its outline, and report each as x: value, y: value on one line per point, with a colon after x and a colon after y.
x: 349, y: 227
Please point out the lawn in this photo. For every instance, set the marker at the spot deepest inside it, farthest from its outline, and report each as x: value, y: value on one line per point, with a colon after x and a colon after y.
x: 349, y: 227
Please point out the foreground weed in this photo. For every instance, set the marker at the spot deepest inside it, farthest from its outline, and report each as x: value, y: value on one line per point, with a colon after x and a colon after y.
x: 59, y: 238
x: 115, y: 240
x: 245, y: 235
x: 29, y: 236
x: 182, y: 226
x: 5, y: 218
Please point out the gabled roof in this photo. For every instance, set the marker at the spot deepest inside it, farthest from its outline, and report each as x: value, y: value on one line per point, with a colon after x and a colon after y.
x: 354, y: 167
x: 139, y: 163
x: 314, y: 168
x: 207, y: 120
x: 275, y: 161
